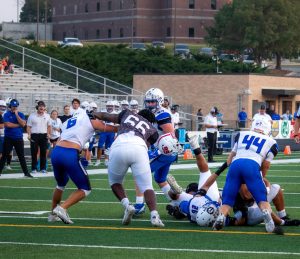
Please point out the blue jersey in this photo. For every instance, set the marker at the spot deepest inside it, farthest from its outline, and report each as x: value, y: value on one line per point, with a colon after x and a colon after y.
x: 16, y: 133
x: 162, y: 116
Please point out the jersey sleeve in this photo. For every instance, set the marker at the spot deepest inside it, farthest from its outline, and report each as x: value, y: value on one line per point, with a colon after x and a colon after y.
x: 163, y: 118
x: 121, y: 114
x: 272, y: 153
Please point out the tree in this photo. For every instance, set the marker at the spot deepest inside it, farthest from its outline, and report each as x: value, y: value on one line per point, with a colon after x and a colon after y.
x: 265, y: 26
x: 29, y: 11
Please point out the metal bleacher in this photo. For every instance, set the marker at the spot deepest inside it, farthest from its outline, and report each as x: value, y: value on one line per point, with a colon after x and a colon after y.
x: 40, y: 77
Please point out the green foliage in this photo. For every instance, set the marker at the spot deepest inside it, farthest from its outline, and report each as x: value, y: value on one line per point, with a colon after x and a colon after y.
x: 265, y: 26
x: 120, y: 63
x: 29, y: 11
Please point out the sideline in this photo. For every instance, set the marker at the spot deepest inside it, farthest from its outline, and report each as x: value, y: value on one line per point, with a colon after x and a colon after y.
x: 173, y: 167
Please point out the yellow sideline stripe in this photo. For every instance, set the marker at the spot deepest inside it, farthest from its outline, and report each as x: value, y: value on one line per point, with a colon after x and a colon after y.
x: 142, y: 229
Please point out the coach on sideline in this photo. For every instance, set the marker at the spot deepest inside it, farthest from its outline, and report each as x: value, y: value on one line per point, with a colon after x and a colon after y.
x: 14, y: 122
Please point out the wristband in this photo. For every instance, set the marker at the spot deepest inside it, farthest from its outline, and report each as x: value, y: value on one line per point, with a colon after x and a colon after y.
x: 221, y: 168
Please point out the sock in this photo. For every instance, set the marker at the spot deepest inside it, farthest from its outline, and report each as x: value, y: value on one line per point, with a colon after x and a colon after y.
x: 139, y: 199
x: 166, y: 190
x: 197, y: 151
x: 125, y: 202
x: 153, y: 213
x: 281, y: 213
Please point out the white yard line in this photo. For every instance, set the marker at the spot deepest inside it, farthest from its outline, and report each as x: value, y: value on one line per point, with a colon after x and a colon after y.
x: 150, y: 248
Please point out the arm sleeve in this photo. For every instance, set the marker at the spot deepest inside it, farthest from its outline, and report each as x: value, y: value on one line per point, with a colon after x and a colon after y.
x: 153, y: 138
x: 121, y: 114
x: 163, y: 118
x: 236, y: 140
x: 272, y: 153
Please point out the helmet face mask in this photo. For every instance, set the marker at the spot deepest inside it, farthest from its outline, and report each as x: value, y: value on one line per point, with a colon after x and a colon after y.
x: 207, y: 214
x: 154, y: 99
x: 124, y: 104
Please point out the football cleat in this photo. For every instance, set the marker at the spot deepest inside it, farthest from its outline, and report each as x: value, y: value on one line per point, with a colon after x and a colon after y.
x: 269, y: 223
x: 97, y: 163
x: 53, y: 218
x: 278, y: 230
x: 156, y: 221
x: 128, y: 213
x: 62, y: 214
x: 139, y: 208
x: 219, y: 223
x: 175, y: 187
x: 194, y: 141
x: 7, y: 167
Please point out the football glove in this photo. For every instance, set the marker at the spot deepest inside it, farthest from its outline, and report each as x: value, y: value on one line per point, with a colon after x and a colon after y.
x: 153, y: 152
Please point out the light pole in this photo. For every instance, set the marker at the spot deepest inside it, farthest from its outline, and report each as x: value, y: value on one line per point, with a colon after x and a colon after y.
x: 46, y: 17
x: 132, y: 15
x: 174, y: 27
x: 37, y: 20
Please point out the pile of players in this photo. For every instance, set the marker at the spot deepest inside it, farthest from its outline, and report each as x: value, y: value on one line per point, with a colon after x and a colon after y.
x: 150, y: 144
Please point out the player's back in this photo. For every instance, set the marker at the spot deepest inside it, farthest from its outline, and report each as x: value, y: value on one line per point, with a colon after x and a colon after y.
x: 77, y: 129
x: 254, y: 146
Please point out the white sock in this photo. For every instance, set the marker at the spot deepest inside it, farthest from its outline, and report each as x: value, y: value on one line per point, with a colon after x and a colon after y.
x: 139, y: 199
x: 166, y: 190
x: 125, y: 202
x: 98, y: 161
x: 154, y: 213
x: 281, y: 213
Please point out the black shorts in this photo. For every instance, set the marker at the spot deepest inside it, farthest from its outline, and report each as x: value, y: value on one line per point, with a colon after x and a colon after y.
x: 53, y: 140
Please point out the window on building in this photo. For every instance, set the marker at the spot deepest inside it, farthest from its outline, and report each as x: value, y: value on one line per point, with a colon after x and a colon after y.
x: 86, y: 34
x: 191, y: 32
x: 75, y: 9
x: 109, y: 33
x: 98, y: 6
x: 109, y: 5
x: 65, y: 10
x: 121, y: 33
x: 98, y: 34
x: 86, y: 8
x: 213, y: 4
x: 192, y: 4
x: 121, y: 4
x: 168, y: 32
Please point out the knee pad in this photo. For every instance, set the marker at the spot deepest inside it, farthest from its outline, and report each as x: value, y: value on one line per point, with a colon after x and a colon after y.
x: 274, y: 189
x: 86, y: 192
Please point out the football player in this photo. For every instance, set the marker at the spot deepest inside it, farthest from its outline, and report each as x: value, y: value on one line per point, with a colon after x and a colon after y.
x: 66, y: 163
x: 297, y: 127
x: 134, y: 106
x: 160, y: 163
x: 252, y: 154
x: 135, y: 134
x: 198, y: 205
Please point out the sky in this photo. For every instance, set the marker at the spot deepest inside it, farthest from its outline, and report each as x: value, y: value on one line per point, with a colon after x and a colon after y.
x: 8, y: 10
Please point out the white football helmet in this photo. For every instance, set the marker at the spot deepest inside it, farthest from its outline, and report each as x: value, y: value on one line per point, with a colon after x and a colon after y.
x: 110, y: 106
x: 168, y: 145
x: 84, y: 105
x: 7, y: 101
x: 134, y: 104
x: 261, y: 125
x: 2, y: 103
x: 207, y: 214
x: 124, y: 104
x: 94, y: 105
x: 153, y: 95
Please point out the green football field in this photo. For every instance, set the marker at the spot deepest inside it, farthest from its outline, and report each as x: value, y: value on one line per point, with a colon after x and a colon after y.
x: 97, y: 230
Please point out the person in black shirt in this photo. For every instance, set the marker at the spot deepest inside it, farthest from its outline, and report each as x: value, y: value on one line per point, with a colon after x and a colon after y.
x: 66, y: 115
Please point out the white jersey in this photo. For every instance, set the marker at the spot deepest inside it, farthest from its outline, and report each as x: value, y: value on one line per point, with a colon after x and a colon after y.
x: 55, y: 124
x: 162, y: 116
x: 254, y: 146
x: 77, y: 111
x: 77, y: 129
x: 265, y: 116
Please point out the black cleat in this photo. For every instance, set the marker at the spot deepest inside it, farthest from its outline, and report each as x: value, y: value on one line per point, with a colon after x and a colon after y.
x: 278, y: 230
x: 28, y: 175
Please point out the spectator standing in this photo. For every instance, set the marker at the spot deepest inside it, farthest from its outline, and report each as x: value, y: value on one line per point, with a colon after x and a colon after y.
x: 76, y: 109
x: 166, y: 104
x: 274, y: 116
x: 39, y: 131
x: 211, y: 125
x: 175, y: 117
x: 14, y: 122
x: 56, y: 125
x: 287, y: 116
x: 200, y: 119
x: 242, y: 118
x: 262, y: 114
x: 297, y: 126
x: 66, y: 115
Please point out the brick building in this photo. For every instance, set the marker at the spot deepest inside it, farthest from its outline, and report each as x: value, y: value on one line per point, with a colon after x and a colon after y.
x: 134, y: 20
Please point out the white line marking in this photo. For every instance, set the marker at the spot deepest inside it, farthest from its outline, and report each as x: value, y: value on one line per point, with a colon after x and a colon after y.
x: 151, y: 248
x: 24, y: 212
x: 95, y: 202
